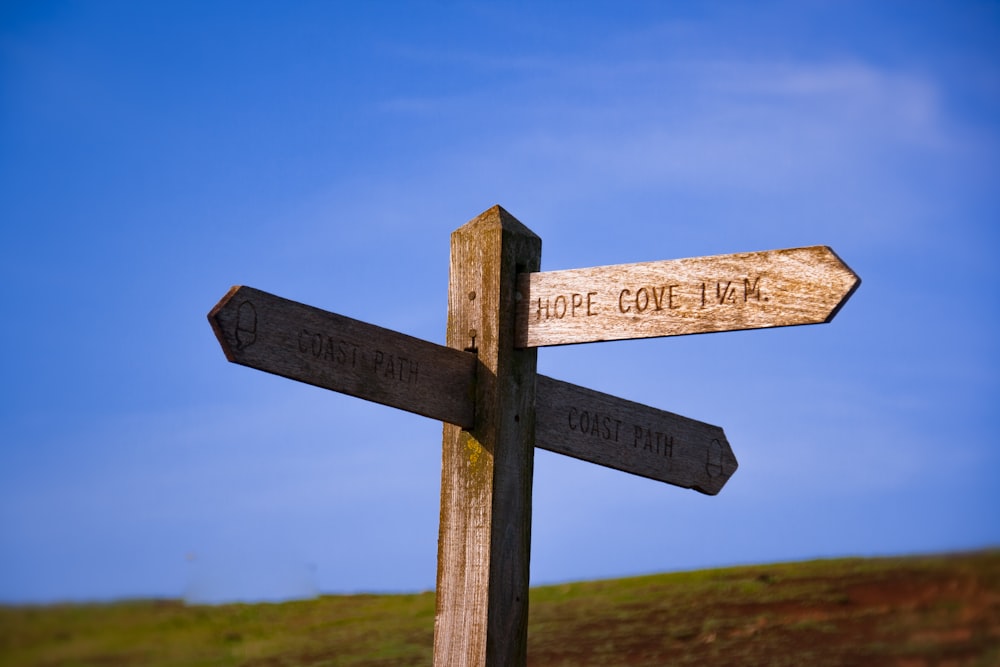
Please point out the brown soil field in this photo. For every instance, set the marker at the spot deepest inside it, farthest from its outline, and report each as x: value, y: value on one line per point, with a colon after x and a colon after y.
x: 893, y: 612
x: 930, y: 611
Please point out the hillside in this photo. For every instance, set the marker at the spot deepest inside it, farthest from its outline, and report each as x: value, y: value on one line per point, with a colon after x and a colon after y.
x: 911, y: 612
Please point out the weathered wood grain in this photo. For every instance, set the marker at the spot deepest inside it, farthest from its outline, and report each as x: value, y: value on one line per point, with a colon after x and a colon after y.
x: 683, y: 296
x: 485, y: 530
x: 304, y: 343
x: 635, y: 438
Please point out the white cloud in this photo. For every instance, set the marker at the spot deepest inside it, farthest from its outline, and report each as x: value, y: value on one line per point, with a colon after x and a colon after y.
x: 856, y: 149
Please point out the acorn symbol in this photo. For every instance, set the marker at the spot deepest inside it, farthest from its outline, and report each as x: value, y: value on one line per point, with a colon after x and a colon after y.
x: 246, y: 325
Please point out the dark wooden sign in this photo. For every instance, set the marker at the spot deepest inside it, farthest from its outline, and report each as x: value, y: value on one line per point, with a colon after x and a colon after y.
x: 752, y: 290
x: 310, y: 345
x: 635, y: 438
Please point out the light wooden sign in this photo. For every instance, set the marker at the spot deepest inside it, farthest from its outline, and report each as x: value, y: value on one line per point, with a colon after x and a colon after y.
x: 753, y: 290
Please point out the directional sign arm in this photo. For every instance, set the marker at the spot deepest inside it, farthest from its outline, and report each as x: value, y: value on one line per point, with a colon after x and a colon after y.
x: 303, y: 343
x: 631, y: 437
x: 753, y: 290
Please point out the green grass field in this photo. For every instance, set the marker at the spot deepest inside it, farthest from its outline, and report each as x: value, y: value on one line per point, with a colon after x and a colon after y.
x: 909, y: 612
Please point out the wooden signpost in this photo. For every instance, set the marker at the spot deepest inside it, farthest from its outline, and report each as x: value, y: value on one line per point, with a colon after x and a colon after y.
x: 496, y: 409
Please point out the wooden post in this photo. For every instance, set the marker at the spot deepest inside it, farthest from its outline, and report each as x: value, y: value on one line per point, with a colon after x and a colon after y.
x: 485, y: 531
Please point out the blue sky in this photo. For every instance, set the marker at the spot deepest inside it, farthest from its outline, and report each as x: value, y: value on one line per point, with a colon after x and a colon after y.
x: 154, y: 154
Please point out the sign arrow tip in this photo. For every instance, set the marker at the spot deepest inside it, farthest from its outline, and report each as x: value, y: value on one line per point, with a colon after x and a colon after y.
x: 215, y: 317
x: 851, y: 281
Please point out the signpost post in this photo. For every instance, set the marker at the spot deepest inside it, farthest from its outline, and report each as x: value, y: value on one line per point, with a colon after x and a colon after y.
x: 495, y: 407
